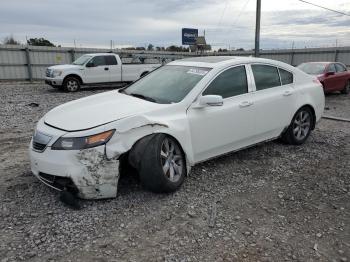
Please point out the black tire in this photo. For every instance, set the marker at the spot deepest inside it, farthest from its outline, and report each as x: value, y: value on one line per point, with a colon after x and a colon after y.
x: 296, y: 134
x: 71, y: 84
x: 143, y: 74
x: 346, y: 89
x: 153, y: 161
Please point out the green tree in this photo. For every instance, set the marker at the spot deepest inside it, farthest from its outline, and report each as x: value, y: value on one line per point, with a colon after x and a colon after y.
x: 150, y: 47
x: 39, y: 42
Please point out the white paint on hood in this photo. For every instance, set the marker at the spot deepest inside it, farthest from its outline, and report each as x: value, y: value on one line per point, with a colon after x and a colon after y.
x: 97, y: 110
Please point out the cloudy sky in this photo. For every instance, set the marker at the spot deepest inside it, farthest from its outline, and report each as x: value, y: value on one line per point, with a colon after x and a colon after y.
x: 227, y: 23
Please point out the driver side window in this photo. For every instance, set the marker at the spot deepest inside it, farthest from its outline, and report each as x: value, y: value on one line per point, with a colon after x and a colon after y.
x: 98, y: 60
x: 231, y: 82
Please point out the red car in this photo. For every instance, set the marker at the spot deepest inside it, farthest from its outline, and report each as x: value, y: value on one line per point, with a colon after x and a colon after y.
x: 333, y: 76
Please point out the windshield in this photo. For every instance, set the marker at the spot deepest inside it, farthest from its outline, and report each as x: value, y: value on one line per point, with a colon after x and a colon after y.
x: 82, y: 60
x: 312, y: 68
x: 168, y: 84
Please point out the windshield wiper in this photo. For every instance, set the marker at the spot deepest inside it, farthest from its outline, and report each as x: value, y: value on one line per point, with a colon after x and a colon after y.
x: 143, y: 97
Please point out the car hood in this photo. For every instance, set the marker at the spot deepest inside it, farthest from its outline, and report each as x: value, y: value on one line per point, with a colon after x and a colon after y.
x: 64, y: 67
x: 97, y: 110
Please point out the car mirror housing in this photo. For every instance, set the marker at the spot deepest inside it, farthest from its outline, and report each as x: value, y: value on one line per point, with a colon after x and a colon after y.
x: 209, y: 100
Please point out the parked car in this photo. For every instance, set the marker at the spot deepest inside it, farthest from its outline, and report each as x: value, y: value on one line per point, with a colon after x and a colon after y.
x: 94, y: 69
x: 181, y: 114
x: 333, y: 76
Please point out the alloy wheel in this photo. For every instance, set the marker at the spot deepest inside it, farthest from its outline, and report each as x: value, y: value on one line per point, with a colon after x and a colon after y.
x: 302, y: 125
x: 72, y: 85
x: 171, y: 160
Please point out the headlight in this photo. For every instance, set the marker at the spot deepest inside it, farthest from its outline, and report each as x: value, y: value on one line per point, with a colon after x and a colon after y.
x: 56, y: 73
x: 77, y: 143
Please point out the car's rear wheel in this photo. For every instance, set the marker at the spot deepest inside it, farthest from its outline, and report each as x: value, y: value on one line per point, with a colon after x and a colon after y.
x: 71, y: 84
x: 346, y: 89
x: 163, y: 166
x: 300, y: 127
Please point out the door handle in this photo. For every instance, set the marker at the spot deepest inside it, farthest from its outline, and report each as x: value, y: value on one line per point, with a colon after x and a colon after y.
x: 287, y: 93
x: 106, y: 68
x: 245, y: 104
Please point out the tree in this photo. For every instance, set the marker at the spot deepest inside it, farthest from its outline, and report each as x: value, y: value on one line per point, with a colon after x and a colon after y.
x: 150, y: 47
x: 10, y: 40
x: 39, y: 42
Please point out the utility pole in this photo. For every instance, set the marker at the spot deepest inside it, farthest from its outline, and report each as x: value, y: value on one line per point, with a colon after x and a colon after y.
x: 257, y: 28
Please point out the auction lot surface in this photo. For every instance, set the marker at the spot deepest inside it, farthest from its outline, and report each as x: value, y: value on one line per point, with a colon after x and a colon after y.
x: 272, y: 202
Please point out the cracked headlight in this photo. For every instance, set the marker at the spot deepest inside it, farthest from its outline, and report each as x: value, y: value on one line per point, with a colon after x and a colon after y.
x: 56, y: 73
x: 77, y: 143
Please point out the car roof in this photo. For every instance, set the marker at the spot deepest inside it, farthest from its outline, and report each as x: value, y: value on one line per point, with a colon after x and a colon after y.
x: 95, y: 54
x: 222, y: 61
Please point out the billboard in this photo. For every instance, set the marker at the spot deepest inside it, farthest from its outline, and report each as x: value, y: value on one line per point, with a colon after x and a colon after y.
x: 189, y: 36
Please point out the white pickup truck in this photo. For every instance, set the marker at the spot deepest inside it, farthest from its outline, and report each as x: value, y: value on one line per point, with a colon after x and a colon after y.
x: 93, y: 69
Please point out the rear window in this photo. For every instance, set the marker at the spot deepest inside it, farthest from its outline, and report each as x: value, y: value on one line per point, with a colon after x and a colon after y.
x: 312, y: 68
x: 265, y: 76
x: 111, y: 60
x: 286, y: 77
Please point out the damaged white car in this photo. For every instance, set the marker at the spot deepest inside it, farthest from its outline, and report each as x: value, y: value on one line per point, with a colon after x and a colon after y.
x: 181, y: 114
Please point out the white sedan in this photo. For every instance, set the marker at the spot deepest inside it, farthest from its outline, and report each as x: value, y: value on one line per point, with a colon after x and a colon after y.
x: 179, y: 115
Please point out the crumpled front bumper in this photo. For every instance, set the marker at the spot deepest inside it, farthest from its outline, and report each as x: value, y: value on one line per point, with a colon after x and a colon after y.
x: 92, y: 173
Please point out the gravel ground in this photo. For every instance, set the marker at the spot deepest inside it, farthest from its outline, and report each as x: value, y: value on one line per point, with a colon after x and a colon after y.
x: 268, y: 203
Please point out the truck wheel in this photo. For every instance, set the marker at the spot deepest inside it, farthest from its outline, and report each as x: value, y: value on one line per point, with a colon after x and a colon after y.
x: 346, y: 89
x: 163, y: 166
x: 143, y: 74
x: 71, y: 84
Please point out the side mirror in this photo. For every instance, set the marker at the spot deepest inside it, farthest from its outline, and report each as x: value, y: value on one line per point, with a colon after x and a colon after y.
x: 209, y: 100
x: 330, y: 73
x: 90, y: 64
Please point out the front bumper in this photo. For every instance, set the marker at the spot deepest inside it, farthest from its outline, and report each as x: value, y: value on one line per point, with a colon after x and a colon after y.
x: 53, y: 81
x: 87, y: 172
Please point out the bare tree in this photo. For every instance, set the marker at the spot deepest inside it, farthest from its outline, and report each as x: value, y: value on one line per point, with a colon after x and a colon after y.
x: 10, y: 40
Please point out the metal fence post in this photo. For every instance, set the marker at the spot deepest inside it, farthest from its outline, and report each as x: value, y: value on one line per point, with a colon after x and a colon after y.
x: 292, y: 58
x: 72, y: 55
x: 29, y: 64
x: 336, y: 55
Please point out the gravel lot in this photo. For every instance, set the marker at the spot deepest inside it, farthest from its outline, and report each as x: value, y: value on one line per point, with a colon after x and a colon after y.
x: 268, y: 203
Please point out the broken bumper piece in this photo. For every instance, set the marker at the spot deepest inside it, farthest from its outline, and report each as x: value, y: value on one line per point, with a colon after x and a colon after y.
x: 88, y: 172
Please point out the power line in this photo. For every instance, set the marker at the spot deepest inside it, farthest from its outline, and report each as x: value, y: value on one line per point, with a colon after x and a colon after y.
x: 223, y: 13
x: 326, y: 8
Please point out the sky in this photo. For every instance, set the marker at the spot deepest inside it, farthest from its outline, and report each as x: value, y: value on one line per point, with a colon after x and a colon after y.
x: 227, y: 23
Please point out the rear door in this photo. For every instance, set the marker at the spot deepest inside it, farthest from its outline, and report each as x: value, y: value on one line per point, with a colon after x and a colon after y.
x: 274, y: 100
x: 99, y: 72
x: 115, y: 70
x: 217, y: 130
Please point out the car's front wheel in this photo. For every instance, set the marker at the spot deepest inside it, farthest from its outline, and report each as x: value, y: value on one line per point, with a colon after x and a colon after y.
x: 300, y: 127
x: 163, y: 165
x: 346, y: 89
x: 71, y: 84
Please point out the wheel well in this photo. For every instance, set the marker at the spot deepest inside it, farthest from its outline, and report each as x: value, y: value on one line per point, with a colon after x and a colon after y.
x: 313, y: 115
x: 75, y: 76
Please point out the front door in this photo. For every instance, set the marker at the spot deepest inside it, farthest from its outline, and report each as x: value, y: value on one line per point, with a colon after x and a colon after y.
x: 98, y: 71
x: 217, y: 130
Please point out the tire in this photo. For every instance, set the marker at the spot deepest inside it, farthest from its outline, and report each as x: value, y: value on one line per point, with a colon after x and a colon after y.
x: 346, y: 89
x: 143, y: 74
x: 71, y: 84
x: 300, y: 127
x: 163, y: 166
